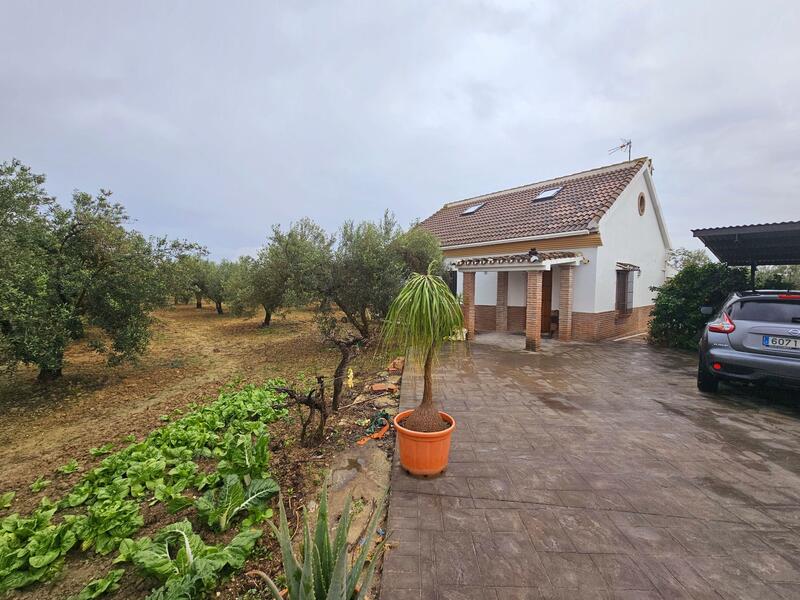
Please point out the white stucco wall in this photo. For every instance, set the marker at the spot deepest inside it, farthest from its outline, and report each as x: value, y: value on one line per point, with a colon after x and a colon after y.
x: 585, y: 276
x: 631, y: 238
x: 517, y: 292
x: 486, y: 288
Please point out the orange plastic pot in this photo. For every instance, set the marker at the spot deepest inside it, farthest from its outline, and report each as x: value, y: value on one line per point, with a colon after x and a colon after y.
x: 423, y: 453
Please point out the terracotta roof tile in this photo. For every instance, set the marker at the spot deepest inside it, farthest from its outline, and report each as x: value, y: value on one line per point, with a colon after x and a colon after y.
x: 512, y: 214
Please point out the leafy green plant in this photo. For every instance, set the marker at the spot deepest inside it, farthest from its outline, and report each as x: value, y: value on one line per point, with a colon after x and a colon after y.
x: 71, y: 467
x: 100, y: 450
x: 245, y: 456
x: 183, y: 562
x: 38, y: 485
x: 323, y: 571
x: 422, y: 316
x: 32, y: 548
x: 6, y: 499
x: 676, y: 318
x: 99, y: 587
x: 105, y: 524
x: 103, y: 508
x: 220, y: 506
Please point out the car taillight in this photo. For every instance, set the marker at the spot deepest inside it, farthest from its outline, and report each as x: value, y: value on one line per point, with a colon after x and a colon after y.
x: 789, y: 296
x: 724, y: 325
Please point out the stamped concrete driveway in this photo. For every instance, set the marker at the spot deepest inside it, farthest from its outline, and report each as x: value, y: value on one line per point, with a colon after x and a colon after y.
x: 597, y: 471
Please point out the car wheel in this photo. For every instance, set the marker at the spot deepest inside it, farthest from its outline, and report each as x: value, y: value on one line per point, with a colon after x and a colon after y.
x: 706, y: 382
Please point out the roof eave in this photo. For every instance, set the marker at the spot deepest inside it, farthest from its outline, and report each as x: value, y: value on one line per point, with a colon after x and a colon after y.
x: 532, y: 238
x: 544, y: 265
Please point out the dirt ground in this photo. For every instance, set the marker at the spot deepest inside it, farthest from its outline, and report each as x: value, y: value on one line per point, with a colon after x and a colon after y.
x: 193, y: 353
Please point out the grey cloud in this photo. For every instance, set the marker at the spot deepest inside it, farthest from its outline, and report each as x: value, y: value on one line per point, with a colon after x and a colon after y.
x: 213, y: 121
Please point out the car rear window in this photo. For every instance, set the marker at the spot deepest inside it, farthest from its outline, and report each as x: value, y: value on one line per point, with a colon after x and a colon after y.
x: 772, y: 311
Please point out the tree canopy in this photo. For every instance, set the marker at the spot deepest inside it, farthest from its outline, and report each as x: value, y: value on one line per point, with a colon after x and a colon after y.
x: 352, y: 277
x: 68, y: 270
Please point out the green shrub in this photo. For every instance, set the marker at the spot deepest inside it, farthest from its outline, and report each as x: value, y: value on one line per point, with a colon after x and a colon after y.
x: 323, y: 570
x: 676, y: 320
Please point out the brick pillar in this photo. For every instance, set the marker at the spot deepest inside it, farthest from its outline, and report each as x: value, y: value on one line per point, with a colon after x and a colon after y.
x: 566, y: 280
x: 469, y: 304
x: 501, y: 306
x: 533, y: 311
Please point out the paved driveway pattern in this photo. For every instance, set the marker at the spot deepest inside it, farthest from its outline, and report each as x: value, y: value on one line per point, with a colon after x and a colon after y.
x: 597, y: 471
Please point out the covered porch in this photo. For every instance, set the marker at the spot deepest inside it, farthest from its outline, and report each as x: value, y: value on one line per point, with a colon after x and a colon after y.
x: 537, y: 274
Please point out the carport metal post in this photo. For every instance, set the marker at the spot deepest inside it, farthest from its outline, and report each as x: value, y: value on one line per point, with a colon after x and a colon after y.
x: 753, y: 268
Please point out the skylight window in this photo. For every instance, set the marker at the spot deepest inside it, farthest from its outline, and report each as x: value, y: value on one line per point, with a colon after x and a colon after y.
x: 547, y: 193
x: 472, y: 209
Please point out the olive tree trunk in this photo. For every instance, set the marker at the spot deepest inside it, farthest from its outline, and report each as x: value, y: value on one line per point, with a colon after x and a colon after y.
x: 198, y: 301
x: 219, y: 307
x: 267, y: 317
x: 47, y: 374
x: 348, y: 351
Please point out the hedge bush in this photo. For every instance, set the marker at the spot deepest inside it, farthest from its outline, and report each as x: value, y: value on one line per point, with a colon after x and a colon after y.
x: 676, y: 320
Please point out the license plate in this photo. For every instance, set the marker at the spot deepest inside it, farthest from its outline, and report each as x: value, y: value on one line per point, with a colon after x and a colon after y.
x: 774, y: 341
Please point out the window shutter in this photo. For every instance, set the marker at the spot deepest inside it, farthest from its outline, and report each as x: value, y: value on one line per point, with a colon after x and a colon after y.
x: 629, y: 292
x: 621, y: 281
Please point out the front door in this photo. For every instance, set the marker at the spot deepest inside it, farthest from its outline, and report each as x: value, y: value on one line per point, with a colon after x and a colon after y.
x: 547, y: 300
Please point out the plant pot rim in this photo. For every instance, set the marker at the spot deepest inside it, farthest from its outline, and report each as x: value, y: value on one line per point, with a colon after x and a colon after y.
x: 401, y: 416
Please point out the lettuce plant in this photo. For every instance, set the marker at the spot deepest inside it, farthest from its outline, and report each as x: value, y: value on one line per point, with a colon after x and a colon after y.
x: 6, y: 499
x: 38, y: 485
x: 32, y: 548
x: 183, y: 562
x: 105, y: 524
x: 99, y: 587
x: 220, y: 506
x: 71, y: 467
x: 104, y: 506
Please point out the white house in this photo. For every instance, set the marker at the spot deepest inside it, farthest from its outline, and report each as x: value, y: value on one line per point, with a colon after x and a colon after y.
x: 583, y: 249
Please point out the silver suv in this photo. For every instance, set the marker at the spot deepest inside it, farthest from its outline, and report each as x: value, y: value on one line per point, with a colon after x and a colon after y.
x: 755, y: 338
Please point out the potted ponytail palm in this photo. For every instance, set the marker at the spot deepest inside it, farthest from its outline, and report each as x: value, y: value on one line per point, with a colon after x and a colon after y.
x: 424, y: 315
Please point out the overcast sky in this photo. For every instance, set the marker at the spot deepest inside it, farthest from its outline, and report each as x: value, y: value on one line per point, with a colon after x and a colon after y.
x: 213, y: 120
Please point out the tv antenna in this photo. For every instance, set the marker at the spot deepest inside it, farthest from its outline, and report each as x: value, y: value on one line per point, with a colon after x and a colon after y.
x: 625, y: 145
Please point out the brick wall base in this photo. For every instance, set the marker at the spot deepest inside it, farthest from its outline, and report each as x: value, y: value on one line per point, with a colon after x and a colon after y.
x: 591, y: 327
x: 588, y: 327
x: 486, y: 318
x: 516, y: 319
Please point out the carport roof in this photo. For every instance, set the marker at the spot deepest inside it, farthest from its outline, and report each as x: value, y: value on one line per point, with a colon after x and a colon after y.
x: 747, y: 245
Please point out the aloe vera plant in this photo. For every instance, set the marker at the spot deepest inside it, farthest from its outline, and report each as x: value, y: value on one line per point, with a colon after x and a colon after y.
x: 323, y: 571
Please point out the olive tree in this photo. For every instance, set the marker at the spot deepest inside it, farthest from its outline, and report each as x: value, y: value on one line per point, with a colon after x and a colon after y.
x: 351, y: 278
x: 218, y: 282
x: 180, y: 276
x: 269, y: 277
x: 65, y: 270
